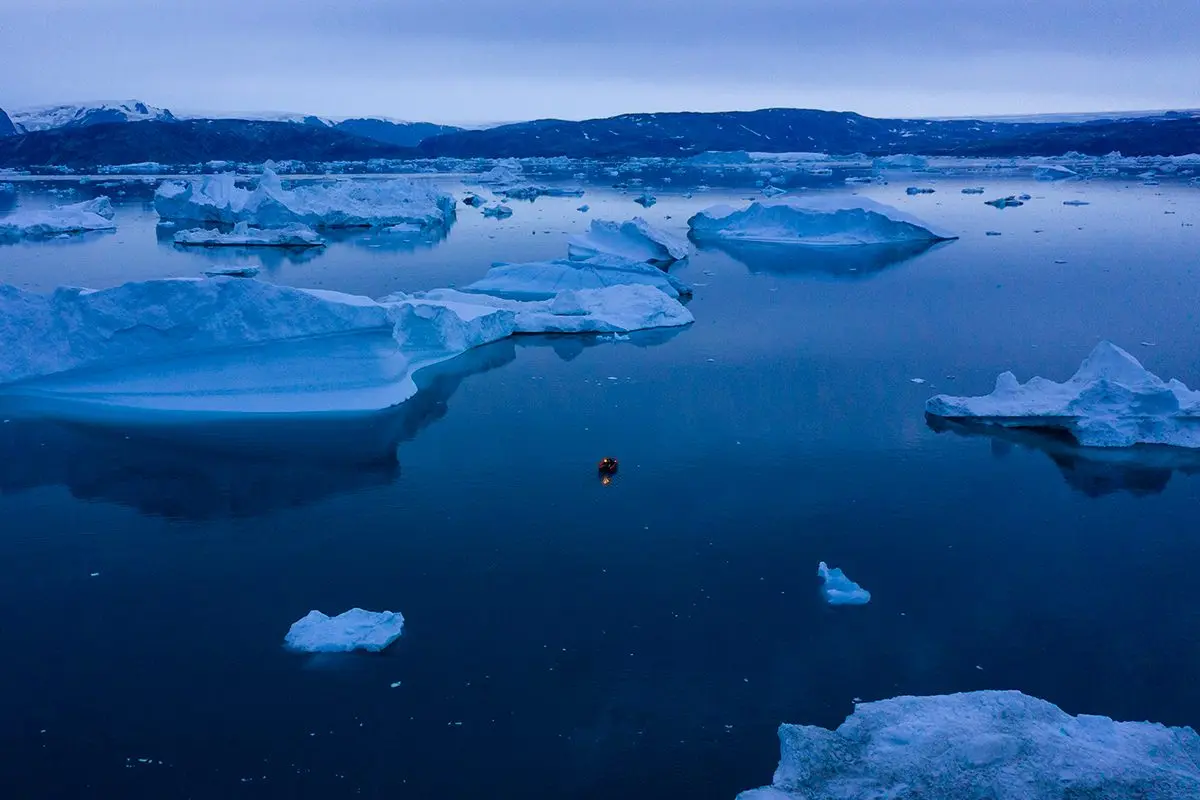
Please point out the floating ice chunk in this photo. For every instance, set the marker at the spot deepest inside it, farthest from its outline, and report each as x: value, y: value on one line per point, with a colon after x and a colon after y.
x: 338, y: 204
x: 355, y: 629
x: 448, y: 328
x: 499, y: 212
x: 840, y: 590
x: 1005, y: 202
x: 636, y: 239
x: 93, y: 215
x: 540, y: 280
x: 1024, y: 197
x: 994, y: 744
x: 915, y: 190
x: 245, y: 236
x: 584, y: 208
x: 829, y: 220
x: 645, y: 199
x: 473, y: 200
x: 1053, y: 172
x: 901, y: 162
x: 1111, y: 401
x: 45, y: 334
x: 773, y: 191
x: 532, y: 191
x: 612, y: 309
x: 973, y: 190
x: 1076, y: 203
x: 246, y: 271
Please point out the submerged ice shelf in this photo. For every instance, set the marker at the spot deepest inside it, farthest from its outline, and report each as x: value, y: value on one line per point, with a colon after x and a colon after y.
x: 1002, y: 745
x: 228, y: 346
x: 1111, y: 401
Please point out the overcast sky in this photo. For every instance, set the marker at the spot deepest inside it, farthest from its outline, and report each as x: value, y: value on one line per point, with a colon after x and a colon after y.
x: 502, y: 60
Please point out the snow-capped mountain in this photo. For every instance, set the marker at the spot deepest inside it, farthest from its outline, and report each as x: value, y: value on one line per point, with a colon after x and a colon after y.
x: 78, y: 115
x: 381, y: 129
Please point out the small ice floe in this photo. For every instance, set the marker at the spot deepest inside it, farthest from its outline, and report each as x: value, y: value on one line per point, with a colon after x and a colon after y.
x: 583, y: 209
x: 288, y: 236
x: 840, y: 590
x: 973, y: 190
x: 992, y: 233
x: 355, y: 629
x: 1005, y: 202
x: 396, y: 685
x: 244, y: 271
x: 645, y: 199
x: 1076, y: 203
x: 498, y: 212
x: 1053, y: 172
x: 917, y: 380
x: 912, y: 191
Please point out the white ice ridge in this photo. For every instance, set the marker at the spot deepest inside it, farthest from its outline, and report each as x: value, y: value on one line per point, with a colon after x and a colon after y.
x: 245, y: 236
x: 840, y: 590
x: 355, y: 629
x: 235, y: 346
x: 635, y: 239
x: 94, y: 215
x: 1000, y: 745
x: 831, y: 220
x: 539, y: 280
x: 1111, y: 401
x: 337, y: 204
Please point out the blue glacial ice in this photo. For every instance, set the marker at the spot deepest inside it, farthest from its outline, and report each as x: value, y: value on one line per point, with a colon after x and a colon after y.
x: 840, y: 590
x: 93, y: 215
x: 355, y: 629
x: 243, y: 235
x: 635, y: 239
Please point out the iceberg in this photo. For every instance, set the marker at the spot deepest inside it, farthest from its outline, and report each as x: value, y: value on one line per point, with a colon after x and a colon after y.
x: 973, y: 190
x: 1052, y: 172
x: 618, y: 308
x: 773, y: 191
x: 339, y: 204
x: 93, y: 215
x: 1001, y: 745
x: 835, y: 220
x: 645, y: 199
x: 245, y: 236
x: 840, y: 590
x: 1076, y: 203
x: 245, y: 271
x: 507, y: 179
x: 355, y: 629
x: 1111, y: 401
x: 498, y: 212
x: 540, y: 280
x: 901, y: 162
x: 1005, y: 202
x: 915, y: 190
x: 636, y: 240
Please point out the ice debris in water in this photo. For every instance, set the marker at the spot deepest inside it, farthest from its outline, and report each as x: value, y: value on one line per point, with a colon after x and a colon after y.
x: 840, y: 590
x: 771, y: 190
x: 543, y: 279
x: 93, y: 215
x: 915, y: 190
x: 636, y: 239
x: 1005, y: 202
x: 832, y: 220
x: 244, y: 271
x: 1076, y: 203
x: 645, y: 199
x: 973, y: 190
x: 508, y: 180
x: 1111, y: 401
x: 1053, y: 172
x: 355, y: 629
x: 244, y: 236
x: 336, y: 204
x: 1000, y: 745
x: 498, y: 212
x: 583, y: 209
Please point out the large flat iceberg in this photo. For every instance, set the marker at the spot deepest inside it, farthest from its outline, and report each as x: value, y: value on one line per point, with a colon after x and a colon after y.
x: 93, y: 215
x: 355, y: 629
x: 243, y: 235
x: 999, y: 745
x: 539, y: 280
x: 1111, y: 401
x: 835, y: 220
x: 338, y: 204
x: 635, y: 239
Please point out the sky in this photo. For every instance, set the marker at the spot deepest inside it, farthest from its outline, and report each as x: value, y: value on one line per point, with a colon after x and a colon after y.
x: 505, y: 60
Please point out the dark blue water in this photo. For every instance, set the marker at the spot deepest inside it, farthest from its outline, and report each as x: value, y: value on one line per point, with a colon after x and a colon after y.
x: 638, y: 640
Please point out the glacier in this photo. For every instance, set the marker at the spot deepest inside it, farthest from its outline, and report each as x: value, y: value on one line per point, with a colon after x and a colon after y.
x: 243, y: 235
x: 1000, y: 745
x: 840, y: 590
x: 834, y: 220
x: 635, y: 239
x: 339, y: 204
x: 93, y: 215
x: 1110, y: 401
x: 355, y: 629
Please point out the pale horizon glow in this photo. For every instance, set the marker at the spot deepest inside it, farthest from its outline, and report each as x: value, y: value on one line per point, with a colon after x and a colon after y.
x: 578, y: 59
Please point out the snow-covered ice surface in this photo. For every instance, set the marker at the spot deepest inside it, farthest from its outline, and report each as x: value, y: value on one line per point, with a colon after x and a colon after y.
x: 1111, y: 401
x: 93, y: 215
x: 998, y: 745
x: 338, y: 204
x: 355, y: 629
x: 840, y: 590
x: 635, y: 239
x: 835, y: 220
x: 243, y: 235
x: 539, y: 280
